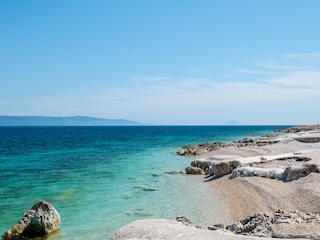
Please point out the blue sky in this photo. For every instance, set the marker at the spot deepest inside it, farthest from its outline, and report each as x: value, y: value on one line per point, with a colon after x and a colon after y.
x: 199, y: 62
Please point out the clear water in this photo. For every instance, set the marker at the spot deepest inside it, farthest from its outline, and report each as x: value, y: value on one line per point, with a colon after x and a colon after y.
x: 101, y: 178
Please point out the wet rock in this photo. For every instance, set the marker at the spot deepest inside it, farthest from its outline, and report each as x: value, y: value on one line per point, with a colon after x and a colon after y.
x: 194, y: 171
x: 41, y: 220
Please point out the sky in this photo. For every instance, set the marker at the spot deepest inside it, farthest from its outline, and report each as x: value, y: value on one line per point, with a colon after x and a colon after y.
x: 167, y: 62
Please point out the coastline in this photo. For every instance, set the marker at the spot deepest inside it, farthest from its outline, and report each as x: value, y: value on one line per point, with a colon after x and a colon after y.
x: 246, y: 196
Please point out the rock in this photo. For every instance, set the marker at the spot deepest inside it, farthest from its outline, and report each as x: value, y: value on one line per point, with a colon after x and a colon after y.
x: 204, y: 164
x: 296, y: 172
x: 41, y: 220
x: 216, y: 227
x: 171, y: 230
x: 299, y: 129
x: 219, y: 169
x: 194, y: 171
x: 273, y: 173
x: 282, y: 223
x: 186, y: 221
x: 308, y: 139
x: 202, y: 148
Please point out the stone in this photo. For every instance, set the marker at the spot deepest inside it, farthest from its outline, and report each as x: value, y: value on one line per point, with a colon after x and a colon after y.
x: 272, y: 173
x: 219, y: 169
x: 308, y: 139
x: 296, y: 172
x: 282, y: 223
x: 204, y: 164
x: 202, y: 148
x: 171, y: 230
x: 194, y: 171
x: 41, y: 220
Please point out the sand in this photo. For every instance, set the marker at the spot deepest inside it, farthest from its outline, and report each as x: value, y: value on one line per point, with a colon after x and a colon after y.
x: 249, y: 195
x: 246, y: 196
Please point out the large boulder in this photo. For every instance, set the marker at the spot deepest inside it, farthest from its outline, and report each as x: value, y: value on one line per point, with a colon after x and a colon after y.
x: 219, y: 169
x: 204, y: 164
x: 273, y: 173
x: 41, y: 220
x: 296, y: 172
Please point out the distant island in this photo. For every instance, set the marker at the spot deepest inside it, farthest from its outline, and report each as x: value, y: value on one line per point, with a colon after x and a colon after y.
x: 63, y: 121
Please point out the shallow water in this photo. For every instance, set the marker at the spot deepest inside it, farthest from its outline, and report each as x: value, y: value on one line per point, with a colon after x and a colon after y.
x: 101, y: 178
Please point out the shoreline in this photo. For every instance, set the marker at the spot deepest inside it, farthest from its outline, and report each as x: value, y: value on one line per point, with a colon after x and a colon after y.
x: 251, y: 194
x: 249, y: 189
x: 254, y: 195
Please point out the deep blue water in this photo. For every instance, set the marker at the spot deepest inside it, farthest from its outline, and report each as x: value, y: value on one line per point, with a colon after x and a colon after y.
x: 101, y: 178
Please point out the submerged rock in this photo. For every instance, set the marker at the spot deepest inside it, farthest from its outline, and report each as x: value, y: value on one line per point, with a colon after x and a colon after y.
x: 41, y: 220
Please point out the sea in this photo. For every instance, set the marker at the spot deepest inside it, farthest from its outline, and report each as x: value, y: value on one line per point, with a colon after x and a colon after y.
x: 102, y: 178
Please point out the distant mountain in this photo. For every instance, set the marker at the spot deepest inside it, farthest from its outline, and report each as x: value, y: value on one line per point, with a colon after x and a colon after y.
x: 62, y: 121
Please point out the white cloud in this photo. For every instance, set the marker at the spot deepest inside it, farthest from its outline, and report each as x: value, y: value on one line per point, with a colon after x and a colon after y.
x: 270, y: 96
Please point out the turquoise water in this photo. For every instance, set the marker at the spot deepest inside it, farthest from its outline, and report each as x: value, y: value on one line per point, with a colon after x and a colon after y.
x: 101, y: 178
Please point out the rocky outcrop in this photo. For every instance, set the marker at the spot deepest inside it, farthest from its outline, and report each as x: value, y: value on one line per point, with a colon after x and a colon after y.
x: 288, y: 174
x: 272, y: 173
x: 286, y: 167
x: 172, y: 230
x: 297, y: 129
x: 296, y: 172
x: 41, y: 220
x: 199, y: 149
x: 217, y: 166
x: 308, y: 139
x: 263, y: 141
x: 194, y: 171
x: 219, y: 169
x: 280, y: 224
x: 202, y: 148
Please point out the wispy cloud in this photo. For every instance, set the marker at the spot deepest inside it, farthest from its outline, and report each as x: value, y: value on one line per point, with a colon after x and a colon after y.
x: 166, y: 99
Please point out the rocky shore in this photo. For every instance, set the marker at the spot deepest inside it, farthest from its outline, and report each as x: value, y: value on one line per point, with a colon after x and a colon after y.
x: 270, y: 185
